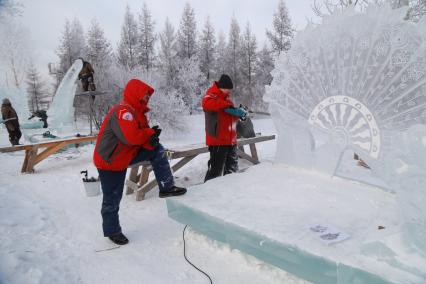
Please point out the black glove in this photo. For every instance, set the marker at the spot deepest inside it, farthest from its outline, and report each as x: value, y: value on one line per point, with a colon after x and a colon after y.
x: 157, y: 130
x: 154, y: 141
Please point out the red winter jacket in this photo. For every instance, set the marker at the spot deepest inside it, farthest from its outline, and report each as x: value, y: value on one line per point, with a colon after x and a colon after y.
x: 220, y: 126
x: 125, y: 129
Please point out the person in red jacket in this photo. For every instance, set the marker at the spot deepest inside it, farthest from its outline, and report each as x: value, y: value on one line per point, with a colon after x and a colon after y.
x: 221, y: 122
x: 125, y: 138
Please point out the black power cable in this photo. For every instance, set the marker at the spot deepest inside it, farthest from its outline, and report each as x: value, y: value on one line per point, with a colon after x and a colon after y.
x: 184, y: 254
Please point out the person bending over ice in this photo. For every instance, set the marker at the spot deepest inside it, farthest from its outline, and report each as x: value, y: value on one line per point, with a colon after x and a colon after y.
x: 125, y: 138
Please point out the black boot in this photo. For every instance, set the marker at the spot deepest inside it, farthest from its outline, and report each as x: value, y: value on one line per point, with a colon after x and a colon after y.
x: 174, y: 191
x: 119, y: 239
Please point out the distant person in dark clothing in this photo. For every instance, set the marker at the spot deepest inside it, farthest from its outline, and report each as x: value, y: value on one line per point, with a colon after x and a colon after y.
x: 11, y: 121
x: 42, y: 115
x: 86, y: 77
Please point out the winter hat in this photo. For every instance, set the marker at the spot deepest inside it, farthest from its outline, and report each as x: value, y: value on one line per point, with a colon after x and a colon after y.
x: 225, y: 82
x: 6, y: 101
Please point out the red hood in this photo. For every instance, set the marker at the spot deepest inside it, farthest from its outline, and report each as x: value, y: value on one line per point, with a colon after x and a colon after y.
x: 134, y: 92
x: 216, y: 91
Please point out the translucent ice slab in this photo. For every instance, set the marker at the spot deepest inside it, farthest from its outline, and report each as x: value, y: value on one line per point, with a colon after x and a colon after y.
x: 268, y: 210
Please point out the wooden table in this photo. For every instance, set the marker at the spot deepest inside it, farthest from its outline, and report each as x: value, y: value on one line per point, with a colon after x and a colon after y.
x: 32, y: 157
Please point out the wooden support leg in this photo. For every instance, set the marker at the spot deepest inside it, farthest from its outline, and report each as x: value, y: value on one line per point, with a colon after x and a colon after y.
x: 132, y: 178
x: 140, y: 194
x: 30, y: 158
x: 25, y: 164
x: 48, y: 151
x: 247, y: 157
x: 146, y: 187
x: 253, y: 151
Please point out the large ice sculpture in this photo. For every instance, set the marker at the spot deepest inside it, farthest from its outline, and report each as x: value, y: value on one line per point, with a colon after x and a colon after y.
x: 358, y: 82
x: 61, y: 112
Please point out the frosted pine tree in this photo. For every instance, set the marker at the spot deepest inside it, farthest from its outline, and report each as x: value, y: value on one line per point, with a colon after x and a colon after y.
x: 248, y: 66
x: 71, y: 47
x: 187, y: 34
x: 189, y: 76
x: 168, y: 55
x: 128, y: 45
x: 234, y: 56
x: 9, y: 9
x: 14, y: 51
x: 220, y: 62
x: 282, y: 33
x: 147, y: 39
x: 189, y: 82
x: 99, y: 54
x: 207, y: 51
x: 38, y: 98
x: 263, y: 78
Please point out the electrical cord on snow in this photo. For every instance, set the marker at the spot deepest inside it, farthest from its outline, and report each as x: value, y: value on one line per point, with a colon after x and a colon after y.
x: 184, y: 254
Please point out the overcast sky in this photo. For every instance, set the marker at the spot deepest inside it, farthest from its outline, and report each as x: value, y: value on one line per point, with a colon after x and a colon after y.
x: 45, y: 18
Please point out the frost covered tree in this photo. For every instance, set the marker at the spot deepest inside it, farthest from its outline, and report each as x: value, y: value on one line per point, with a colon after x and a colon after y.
x: 189, y: 82
x: 207, y: 51
x: 416, y: 8
x: 263, y: 78
x: 220, y: 62
x: 168, y: 55
x: 327, y: 7
x: 282, y: 33
x: 146, y: 39
x: 38, y: 98
x: 249, y: 52
x: 187, y: 34
x: 99, y: 54
x: 233, y: 57
x: 14, y: 52
x: 127, y: 53
x: 71, y: 47
x: 248, y: 65
x: 10, y: 8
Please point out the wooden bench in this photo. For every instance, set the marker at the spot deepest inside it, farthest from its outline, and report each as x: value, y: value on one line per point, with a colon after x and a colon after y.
x: 139, y: 174
x: 32, y: 157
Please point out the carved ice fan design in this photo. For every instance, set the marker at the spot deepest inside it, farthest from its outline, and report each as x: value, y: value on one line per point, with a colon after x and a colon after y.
x: 349, y: 121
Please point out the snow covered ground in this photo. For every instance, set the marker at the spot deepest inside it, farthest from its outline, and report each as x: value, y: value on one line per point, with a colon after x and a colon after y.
x: 51, y: 232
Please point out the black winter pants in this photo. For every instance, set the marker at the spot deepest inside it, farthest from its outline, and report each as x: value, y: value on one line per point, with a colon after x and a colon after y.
x: 14, y: 136
x: 223, y: 160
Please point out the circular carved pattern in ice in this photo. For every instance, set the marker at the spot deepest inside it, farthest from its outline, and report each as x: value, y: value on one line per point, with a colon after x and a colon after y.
x: 350, y: 122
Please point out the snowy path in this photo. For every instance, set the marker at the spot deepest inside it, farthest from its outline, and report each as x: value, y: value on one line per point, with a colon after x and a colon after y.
x: 51, y: 230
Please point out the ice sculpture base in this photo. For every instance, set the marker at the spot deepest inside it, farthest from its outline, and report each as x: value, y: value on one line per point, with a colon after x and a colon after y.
x: 267, y: 212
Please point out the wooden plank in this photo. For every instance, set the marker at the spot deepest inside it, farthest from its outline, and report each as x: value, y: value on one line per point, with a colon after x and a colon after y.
x: 247, y: 157
x: 140, y: 194
x: 73, y: 140
x: 133, y: 179
x: 200, y: 149
x: 47, y: 152
x: 133, y: 185
x: 32, y: 155
x: 182, y: 163
x: 26, y: 159
x: 253, y: 152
